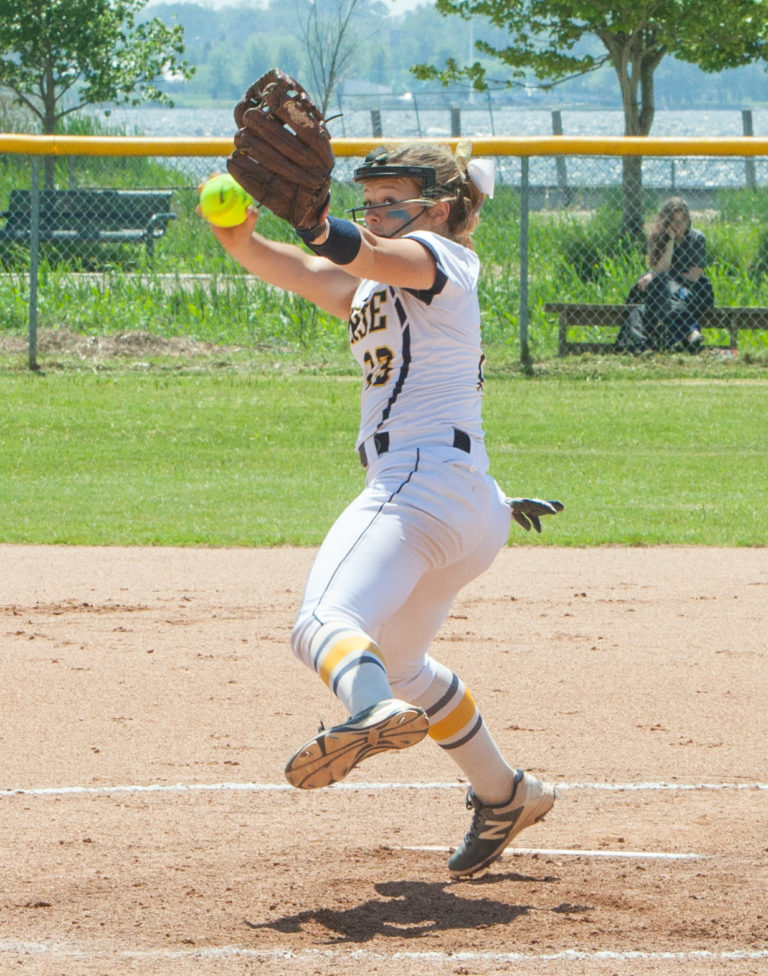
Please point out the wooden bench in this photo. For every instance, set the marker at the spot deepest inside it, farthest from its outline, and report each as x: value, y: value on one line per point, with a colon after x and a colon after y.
x: 90, y: 215
x: 730, y: 320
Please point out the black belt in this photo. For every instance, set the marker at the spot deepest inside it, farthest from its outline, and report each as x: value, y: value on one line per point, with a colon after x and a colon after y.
x: 461, y: 441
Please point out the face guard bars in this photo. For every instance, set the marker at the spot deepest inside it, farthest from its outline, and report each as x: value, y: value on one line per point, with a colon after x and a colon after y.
x: 377, y: 167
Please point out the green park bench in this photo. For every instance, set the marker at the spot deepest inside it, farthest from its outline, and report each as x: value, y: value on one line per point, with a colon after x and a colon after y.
x: 90, y: 215
x: 593, y: 316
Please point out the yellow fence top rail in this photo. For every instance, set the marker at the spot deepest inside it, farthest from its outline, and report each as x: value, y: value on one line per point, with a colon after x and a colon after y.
x: 37, y: 145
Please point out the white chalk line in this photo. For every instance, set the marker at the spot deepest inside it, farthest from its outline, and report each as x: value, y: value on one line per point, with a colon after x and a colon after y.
x: 354, y: 787
x: 60, y: 951
x: 572, y: 852
x: 366, y: 787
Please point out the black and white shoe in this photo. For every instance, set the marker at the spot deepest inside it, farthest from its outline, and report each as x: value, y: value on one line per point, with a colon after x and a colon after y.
x: 493, y: 828
x: 694, y: 341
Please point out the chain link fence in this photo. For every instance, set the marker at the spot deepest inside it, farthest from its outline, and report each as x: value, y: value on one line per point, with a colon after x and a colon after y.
x: 100, y: 237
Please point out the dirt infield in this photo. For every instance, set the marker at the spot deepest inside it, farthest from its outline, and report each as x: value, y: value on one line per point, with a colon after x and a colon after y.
x: 149, y: 702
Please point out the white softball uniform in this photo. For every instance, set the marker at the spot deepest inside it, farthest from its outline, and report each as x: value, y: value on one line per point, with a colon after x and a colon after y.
x: 430, y: 518
x: 420, y: 352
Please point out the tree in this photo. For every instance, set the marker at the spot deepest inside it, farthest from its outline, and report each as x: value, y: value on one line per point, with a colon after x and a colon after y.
x: 330, y: 43
x: 546, y: 40
x: 58, y: 56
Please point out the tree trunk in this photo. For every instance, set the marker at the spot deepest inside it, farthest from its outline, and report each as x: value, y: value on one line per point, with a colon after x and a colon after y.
x: 635, y: 57
x: 49, y: 174
x: 632, y: 199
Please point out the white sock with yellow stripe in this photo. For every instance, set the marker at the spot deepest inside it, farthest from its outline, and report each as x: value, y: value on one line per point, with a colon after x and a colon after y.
x: 351, y: 665
x: 456, y: 725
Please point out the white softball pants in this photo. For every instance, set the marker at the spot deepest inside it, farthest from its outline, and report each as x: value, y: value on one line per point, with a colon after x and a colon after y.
x: 429, y: 521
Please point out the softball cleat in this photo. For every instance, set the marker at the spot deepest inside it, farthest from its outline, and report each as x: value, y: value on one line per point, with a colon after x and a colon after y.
x: 332, y: 753
x: 493, y: 828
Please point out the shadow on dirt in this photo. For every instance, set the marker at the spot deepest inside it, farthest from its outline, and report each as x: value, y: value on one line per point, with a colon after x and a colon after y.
x: 406, y: 910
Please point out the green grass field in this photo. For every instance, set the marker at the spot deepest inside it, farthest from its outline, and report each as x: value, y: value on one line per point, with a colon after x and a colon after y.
x: 244, y: 458
x: 251, y: 443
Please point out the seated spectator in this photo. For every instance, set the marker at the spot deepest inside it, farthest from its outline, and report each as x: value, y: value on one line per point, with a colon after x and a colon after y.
x: 675, y: 291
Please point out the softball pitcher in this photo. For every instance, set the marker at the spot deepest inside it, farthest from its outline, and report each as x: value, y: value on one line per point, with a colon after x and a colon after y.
x: 430, y: 517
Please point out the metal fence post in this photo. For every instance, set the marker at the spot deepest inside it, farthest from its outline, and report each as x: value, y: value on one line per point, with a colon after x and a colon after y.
x: 34, y: 253
x: 749, y: 162
x: 341, y: 113
x: 418, y: 120
x: 525, y: 353
x: 562, y: 175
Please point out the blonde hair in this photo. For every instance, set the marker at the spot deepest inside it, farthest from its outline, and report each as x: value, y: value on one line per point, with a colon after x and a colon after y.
x: 452, y: 184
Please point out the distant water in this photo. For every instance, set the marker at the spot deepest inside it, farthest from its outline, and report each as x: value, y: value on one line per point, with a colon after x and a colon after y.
x: 485, y: 122
x: 475, y: 123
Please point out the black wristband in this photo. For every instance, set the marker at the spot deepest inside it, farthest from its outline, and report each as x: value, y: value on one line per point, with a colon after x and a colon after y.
x: 342, y: 244
x: 308, y: 234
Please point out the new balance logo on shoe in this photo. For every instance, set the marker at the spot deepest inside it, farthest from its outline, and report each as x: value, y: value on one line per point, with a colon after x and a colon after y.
x: 499, y: 829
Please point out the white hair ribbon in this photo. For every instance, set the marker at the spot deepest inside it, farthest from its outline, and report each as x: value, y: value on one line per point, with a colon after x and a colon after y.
x: 482, y: 172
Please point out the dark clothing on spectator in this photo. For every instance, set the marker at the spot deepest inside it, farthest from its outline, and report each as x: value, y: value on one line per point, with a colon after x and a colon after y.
x: 671, y: 303
x: 690, y: 252
x: 672, y: 308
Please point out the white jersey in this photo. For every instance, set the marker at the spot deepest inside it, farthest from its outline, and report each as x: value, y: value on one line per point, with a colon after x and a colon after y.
x: 420, y: 351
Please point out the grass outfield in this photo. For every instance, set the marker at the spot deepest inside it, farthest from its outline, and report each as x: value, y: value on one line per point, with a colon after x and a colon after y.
x: 243, y: 458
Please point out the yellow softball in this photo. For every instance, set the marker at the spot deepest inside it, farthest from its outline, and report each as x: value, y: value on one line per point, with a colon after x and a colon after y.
x: 223, y: 201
